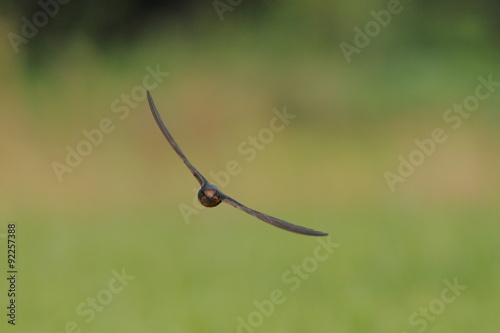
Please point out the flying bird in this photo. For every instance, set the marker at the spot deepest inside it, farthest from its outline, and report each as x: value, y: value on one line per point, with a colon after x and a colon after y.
x: 209, y: 195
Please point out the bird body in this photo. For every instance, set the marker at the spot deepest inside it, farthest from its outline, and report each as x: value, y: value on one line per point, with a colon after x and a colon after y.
x: 209, y: 195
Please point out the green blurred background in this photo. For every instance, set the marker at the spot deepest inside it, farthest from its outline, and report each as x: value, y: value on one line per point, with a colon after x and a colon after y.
x: 230, y: 63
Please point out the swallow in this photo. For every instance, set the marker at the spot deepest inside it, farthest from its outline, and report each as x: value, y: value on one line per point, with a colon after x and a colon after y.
x: 209, y: 194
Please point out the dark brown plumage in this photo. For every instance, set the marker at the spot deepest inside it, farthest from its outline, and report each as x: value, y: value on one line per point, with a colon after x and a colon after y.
x: 210, y: 196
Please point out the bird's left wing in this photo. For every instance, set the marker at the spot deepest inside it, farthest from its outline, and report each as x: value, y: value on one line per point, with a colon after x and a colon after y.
x: 273, y: 220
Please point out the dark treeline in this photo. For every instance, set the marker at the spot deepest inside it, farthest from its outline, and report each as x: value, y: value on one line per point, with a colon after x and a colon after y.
x: 121, y: 22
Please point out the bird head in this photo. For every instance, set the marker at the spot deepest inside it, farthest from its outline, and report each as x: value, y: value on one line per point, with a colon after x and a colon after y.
x: 209, y: 195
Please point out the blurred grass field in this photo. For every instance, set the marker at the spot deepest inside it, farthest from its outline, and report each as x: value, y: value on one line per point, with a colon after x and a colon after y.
x: 119, y: 208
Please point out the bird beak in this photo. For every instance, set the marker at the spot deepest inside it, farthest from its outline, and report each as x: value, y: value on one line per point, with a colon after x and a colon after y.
x: 209, y: 194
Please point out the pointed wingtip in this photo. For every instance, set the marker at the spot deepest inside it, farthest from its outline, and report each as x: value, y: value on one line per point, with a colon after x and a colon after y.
x: 315, y: 233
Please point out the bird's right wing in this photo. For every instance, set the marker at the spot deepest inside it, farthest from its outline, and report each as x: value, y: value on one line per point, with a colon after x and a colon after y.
x: 202, y: 180
x: 273, y: 220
